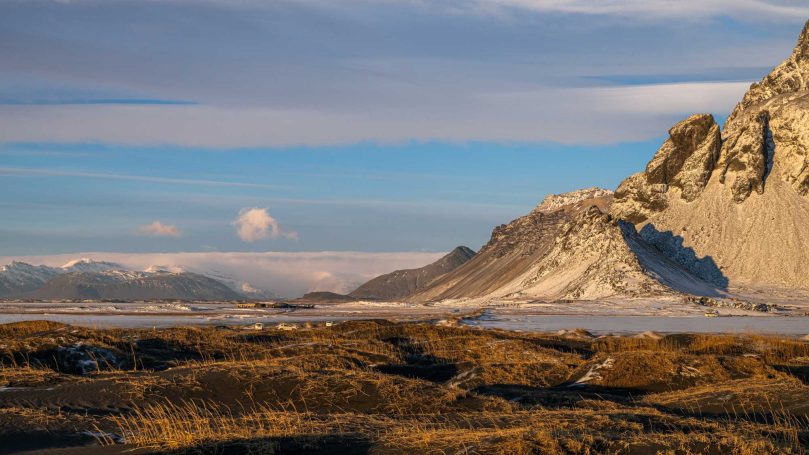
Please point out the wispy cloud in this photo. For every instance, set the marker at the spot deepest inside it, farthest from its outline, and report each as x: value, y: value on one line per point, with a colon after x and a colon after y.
x: 384, y: 70
x: 158, y: 229
x: 502, y: 114
x: 255, y: 223
x: 136, y: 178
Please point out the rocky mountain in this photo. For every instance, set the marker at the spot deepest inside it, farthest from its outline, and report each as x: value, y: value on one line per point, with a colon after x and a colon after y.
x: 123, y: 285
x: 732, y: 206
x: 567, y: 250
x: 401, y: 283
x: 716, y: 209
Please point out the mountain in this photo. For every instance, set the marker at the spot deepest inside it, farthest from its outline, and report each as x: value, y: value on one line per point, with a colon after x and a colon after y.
x: 566, y: 248
x: 89, y: 279
x: 89, y: 265
x: 731, y: 206
x: 715, y: 210
x: 18, y: 277
x: 402, y: 283
x: 122, y: 285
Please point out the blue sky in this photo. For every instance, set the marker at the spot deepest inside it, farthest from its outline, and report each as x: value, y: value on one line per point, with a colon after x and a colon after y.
x: 369, y: 126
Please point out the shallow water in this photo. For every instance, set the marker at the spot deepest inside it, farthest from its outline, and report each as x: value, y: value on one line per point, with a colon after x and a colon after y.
x: 141, y: 315
x: 600, y: 325
x: 161, y: 320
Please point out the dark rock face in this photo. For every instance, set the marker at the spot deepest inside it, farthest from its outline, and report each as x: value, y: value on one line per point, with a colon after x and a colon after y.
x: 402, y: 283
x: 324, y: 297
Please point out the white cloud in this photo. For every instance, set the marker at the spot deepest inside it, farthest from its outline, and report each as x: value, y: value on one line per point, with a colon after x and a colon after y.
x: 650, y: 99
x: 710, y: 97
x: 285, y: 274
x: 255, y: 223
x: 158, y: 229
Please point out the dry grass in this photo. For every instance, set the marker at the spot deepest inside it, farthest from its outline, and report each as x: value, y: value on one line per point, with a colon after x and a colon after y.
x: 411, y: 388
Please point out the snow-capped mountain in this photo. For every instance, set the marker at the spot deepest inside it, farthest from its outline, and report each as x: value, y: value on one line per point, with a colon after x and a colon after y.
x: 20, y: 277
x: 90, y: 279
x: 89, y: 265
x: 134, y: 285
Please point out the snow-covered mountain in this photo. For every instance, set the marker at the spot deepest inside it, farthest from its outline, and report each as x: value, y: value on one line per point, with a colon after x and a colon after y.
x: 717, y: 209
x: 90, y: 279
x: 89, y: 265
x: 129, y: 285
x: 20, y: 277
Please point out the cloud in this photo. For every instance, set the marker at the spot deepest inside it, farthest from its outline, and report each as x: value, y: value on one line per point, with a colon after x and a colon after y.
x: 254, y: 223
x: 285, y: 274
x: 158, y: 229
x: 383, y: 71
x: 501, y: 114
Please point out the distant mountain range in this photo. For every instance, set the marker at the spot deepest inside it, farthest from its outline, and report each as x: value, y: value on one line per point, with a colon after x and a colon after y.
x: 84, y: 279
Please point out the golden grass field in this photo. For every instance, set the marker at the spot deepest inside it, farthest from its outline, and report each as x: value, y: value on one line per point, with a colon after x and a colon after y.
x: 380, y: 387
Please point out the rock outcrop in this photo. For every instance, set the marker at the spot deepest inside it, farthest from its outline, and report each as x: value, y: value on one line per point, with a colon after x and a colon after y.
x: 683, y: 164
x: 402, y: 283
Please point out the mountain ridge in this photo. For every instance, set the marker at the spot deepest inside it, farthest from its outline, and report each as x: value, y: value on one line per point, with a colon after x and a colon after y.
x: 401, y: 283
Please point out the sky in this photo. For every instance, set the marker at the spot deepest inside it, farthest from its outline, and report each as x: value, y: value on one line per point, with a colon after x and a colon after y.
x: 361, y: 126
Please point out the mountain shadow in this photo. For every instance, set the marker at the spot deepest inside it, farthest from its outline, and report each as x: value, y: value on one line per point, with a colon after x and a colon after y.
x: 671, y: 246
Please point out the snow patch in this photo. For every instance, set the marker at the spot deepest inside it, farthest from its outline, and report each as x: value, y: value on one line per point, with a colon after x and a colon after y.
x: 593, y: 374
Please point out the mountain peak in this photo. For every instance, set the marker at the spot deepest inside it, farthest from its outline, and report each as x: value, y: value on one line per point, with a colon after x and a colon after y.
x: 791, y: 76
x: 90, y: 265
x: 16, y: 265
x: 802, y: 49
x: 462, y: 251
